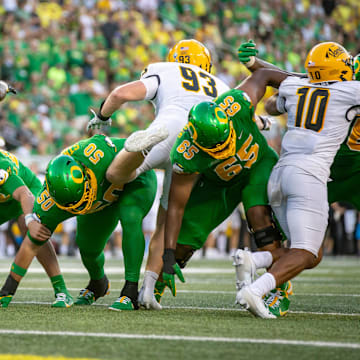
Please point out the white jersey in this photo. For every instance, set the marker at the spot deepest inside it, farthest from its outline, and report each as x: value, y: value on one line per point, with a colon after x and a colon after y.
x: 174, y: 89
x: 181, y: 86
x: 317, y: 123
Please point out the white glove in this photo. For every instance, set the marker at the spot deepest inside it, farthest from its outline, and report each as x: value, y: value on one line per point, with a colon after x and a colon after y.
x: 97, y: 123
x: 4, y: 89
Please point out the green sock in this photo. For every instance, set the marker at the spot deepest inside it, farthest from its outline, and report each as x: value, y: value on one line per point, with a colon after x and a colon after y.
x: 58, y: 284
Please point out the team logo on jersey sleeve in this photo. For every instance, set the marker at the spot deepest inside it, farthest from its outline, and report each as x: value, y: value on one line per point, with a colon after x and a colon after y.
x: 4, y: 175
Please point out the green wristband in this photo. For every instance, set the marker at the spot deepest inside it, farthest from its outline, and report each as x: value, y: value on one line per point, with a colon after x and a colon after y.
x: 18, y: 270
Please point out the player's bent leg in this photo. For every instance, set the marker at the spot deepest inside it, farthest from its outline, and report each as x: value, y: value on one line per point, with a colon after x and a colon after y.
x: 154, y: 264
x: 123, y: 168
x: 244, y: 268
x: 93, y: 291
x: 267, y: 239
x: 135, y: 204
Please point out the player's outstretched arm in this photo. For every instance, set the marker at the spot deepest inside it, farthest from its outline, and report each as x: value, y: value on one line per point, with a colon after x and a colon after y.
x: 247, y: 55
x: 132, y: 91
x: 22, y: 261
x: 26, y: 199
x: 255, y: 84
x: 180, y: 190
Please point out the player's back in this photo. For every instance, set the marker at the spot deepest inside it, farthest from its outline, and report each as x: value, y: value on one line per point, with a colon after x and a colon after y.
x: 182, y: 85
x: 317, y: 122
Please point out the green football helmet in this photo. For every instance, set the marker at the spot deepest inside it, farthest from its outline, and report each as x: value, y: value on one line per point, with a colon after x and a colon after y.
x: 211, y: 130
x: 357, y: 67
x: 71, y: 185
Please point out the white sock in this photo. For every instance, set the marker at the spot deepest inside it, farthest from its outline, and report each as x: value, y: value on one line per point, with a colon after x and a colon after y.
x: 263, y: 284
x: 150, y: 278
x: 262, y: 259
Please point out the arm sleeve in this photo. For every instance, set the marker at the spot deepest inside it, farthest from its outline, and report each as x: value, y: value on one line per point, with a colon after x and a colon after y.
x: 12, y: 183
x: 152, y: 84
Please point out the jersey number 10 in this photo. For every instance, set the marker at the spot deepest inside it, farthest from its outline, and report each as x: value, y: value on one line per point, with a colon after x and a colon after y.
x: 310, y: 113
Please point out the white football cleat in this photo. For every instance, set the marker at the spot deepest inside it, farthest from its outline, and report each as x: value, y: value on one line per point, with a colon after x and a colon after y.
x: 146, y: 299
x: 255, y: 304
x: 244, y: 268
x: 144, y: 140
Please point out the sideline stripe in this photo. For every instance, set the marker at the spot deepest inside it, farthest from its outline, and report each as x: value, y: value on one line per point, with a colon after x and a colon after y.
x: 185, y: 338
x: 196, y: 308
x: 202, y: 292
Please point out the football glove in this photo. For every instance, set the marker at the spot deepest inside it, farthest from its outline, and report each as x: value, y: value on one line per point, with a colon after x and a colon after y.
x: 171, y: 267
x: 97, y: 123
x: 247, y: 52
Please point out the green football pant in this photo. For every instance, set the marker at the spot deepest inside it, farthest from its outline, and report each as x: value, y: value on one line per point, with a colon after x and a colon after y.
x: 345, y: 190
x: 210, y: 204
x: 94, y: 230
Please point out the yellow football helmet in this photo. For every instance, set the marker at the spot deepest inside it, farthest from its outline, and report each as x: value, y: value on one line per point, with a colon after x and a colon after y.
x: 191, y: 52
x: 329, y: 61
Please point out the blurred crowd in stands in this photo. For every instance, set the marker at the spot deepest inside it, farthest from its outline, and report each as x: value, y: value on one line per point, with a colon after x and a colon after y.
x: 65, y: 56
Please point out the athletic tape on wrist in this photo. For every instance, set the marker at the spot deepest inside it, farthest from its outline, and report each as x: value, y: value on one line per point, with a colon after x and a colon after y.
x: 28, y: 219
x: 18, y: 270
x: 251, y: 62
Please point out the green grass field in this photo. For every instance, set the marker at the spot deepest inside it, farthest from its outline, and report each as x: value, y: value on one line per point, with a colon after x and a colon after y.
x: 202, y: 322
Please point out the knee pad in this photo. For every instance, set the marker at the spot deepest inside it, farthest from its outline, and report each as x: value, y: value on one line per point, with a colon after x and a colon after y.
x: 266, y: 236
x: 183, y: 253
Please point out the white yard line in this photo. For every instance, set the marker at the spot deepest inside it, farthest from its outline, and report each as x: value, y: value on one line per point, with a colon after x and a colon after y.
x: 327, y: 344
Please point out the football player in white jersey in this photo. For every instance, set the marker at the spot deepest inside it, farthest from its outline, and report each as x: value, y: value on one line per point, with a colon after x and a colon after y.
x: 173, y: 87
x: 318, y: 110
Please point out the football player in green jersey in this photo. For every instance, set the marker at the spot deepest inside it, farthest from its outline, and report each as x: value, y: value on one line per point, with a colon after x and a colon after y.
x: 18, y: 188
x: 345, y: 170
x: 219, y: 160
x: 75, y: 185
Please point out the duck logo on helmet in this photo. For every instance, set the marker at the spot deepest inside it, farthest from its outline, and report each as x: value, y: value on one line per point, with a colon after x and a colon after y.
x: 77, y: 174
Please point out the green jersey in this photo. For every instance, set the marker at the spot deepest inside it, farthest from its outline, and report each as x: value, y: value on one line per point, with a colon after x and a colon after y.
x: 347, y: 159
x: 13, y: 174
x: 345, y: 170
x: 95, y: 153
x: 251, y: 146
